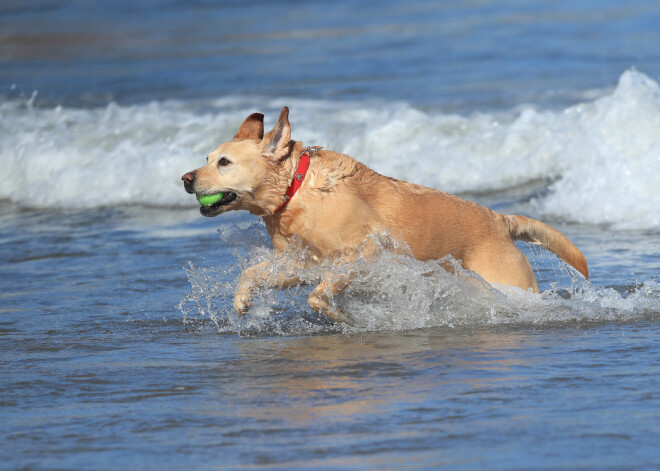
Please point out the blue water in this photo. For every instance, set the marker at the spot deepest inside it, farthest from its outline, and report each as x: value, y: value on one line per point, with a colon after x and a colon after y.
x: 470, y: 55
x: 119, y: 348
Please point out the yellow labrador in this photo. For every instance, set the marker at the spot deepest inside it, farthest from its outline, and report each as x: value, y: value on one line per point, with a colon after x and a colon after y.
x: 332, y: 203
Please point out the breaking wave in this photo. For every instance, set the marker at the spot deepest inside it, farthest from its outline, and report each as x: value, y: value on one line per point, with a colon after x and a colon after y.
x: 599, y: 160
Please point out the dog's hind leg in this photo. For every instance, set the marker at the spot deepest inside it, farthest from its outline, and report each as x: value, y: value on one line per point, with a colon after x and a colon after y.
x: 506, y: 265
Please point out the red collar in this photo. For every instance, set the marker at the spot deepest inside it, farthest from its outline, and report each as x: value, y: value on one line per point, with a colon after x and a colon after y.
x: 296, y: 183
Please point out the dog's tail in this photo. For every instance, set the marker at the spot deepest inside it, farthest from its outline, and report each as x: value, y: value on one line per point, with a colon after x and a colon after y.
x: 536, y: 232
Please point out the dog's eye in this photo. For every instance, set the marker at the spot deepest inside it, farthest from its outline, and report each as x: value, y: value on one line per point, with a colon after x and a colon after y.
x: 223, y: 162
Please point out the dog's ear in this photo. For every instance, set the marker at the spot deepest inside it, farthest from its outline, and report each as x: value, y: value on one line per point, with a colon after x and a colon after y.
x: 252, y: 127
x: 275, y: 143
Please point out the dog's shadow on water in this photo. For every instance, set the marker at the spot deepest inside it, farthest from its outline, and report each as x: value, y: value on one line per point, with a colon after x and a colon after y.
x: 393, y: 292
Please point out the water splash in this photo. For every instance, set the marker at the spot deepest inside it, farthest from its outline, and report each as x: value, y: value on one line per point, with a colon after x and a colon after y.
x: 397, y: 292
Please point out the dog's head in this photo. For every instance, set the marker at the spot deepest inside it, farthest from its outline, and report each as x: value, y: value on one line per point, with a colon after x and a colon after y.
x: 246, y: 169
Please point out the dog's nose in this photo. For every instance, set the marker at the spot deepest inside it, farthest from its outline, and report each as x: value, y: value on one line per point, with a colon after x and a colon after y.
x: 188, y: 177
x: 189, y: 181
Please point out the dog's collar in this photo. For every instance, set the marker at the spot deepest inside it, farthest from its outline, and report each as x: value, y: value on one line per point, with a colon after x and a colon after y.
x: 298, y: 178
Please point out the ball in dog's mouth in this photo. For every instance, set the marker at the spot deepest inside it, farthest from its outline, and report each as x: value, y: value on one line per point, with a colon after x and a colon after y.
x: 215, y: 201
x: 209, y: 200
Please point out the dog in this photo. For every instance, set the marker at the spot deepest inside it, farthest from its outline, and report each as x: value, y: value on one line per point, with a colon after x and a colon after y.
x: 331, y: 203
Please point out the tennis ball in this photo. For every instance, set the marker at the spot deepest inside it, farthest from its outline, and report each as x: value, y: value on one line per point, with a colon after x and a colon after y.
x: 208, y: 200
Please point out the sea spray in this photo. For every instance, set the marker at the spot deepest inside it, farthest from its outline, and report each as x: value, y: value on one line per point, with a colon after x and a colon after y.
x: 394, y: 292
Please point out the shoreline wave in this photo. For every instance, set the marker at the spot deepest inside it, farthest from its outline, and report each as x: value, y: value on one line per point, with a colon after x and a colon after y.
x: 600, y: 160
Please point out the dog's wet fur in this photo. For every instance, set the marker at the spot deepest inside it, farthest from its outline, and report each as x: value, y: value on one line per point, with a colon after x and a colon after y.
x: 341, y: 202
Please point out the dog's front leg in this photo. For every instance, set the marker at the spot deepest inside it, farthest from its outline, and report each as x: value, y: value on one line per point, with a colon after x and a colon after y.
x: 263, y: 274
x: 319, y: 299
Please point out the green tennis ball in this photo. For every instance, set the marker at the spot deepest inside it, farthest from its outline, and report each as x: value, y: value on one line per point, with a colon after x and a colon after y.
x: 208, y: 200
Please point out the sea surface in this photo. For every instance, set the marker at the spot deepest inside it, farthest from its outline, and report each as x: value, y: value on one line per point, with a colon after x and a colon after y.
x: 119, y: 347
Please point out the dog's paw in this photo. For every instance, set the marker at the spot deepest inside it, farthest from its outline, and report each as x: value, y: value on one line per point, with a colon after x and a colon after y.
x: 242, y: 301
x: 320, y: 304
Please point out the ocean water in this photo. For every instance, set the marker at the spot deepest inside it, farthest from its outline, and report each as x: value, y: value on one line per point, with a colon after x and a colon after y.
x: 119, y: 348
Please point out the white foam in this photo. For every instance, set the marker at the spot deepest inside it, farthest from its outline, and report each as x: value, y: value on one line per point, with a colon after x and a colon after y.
x: 610, y: 158
x: 602, y: 156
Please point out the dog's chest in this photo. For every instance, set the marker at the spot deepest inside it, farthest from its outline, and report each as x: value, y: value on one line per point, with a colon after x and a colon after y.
x: 305, y: 232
